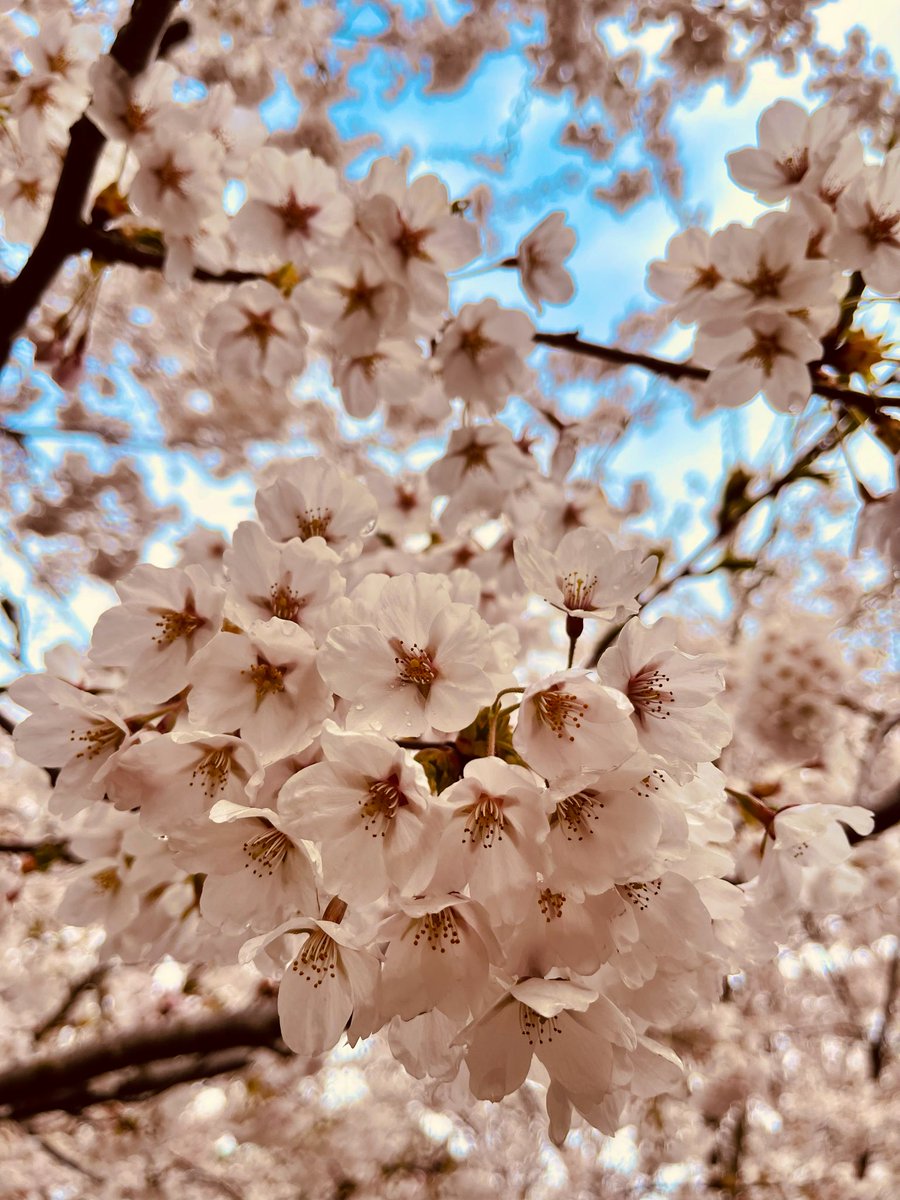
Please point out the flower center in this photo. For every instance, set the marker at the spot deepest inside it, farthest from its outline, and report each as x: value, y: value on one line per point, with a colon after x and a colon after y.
x: 170, y: 176
x: 551, y: 904
x: 29, y: 190
x: 535, y: 1028
x: 318, y: 959
x: 560, y: 712
x: 266, y: 851
x: 765, y: 349
x: 408, y: 243
x: 765, y: 282
x: 438, y: 928
x: 639, y: 895
x: 473, y: 343
x: 881, y: 227
x: 284, y: 602
x: 359, y: 297
x: 173, y: 625
x: 295, y: 216
x: 266, y: 679
x: 650, y: 693
x: 574, y: 812
x: 136, y: 119
x: 259, y: 327
x: 103, y: 736
x: 380, y: 805
x: 212, y: 772
x: 58, y: 63
x: 108, y: 880
x: 415, y: 666
x: 41, y: 97
x: 314, y: 522
x: 795, y: 165
x: 578, y: 589
x: 486, y: 821
x: 705, y: 279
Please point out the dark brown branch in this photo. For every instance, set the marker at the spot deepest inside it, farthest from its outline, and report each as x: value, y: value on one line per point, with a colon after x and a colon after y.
x: 668, y: 369
x: 153, y: 1060
x: 112, y: 247
x: 133, y: 49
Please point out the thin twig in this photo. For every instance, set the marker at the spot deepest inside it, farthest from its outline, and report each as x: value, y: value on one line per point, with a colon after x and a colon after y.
x: 77, y: 988
x: 61, y: 1157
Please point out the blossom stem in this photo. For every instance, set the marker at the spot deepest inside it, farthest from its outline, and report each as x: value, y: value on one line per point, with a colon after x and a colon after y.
x: 574, y: 629
x: 334, y: 910
x: 496, y: 713
x: 752, y: 806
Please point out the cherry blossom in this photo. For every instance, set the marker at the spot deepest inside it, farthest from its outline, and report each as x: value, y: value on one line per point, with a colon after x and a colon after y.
x: 294, y: 207
x: 72, y: 730
x: 165, y: 616
x: 257, y: 874
x: 367, y: 803
x: 764, y: 352
x: 414, y: 233
x: 869, y: 224
x: 570, y: 717
x: 264, y: 682
x: 568, y: 1027
x: 341, y: 745
x: 672, y: 693
x: 176, y: 778
x: 687, y: 277
x: 491, y: 841
x: 296, y: 580
x: 438, y: 958
x: 586, y: 576
x: 256, y: 333
x: 418, y: 661
x: 132, y: 110
x: 482, y: 354
x: 331, y: 971
x: 312, y: 499
x: 539, y: 257
x: 179, y: 181
x: 794, y: 150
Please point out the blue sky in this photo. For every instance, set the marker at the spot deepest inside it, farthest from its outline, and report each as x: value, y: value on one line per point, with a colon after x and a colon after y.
x: 682, y: 457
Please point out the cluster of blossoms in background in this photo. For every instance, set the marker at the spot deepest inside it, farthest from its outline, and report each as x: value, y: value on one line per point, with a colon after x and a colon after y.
x: 766, y: 298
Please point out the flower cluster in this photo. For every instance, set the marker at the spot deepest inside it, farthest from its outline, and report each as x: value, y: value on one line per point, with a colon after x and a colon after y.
x: 311, y: 758
x: 766, y: 297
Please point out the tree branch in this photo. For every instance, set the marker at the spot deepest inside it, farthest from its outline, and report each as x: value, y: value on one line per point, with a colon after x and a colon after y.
x: 133, y: 49
x: 728, y: 523
x: 108, y: 246
x: 669, y: 369
x: 74, y: 1081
